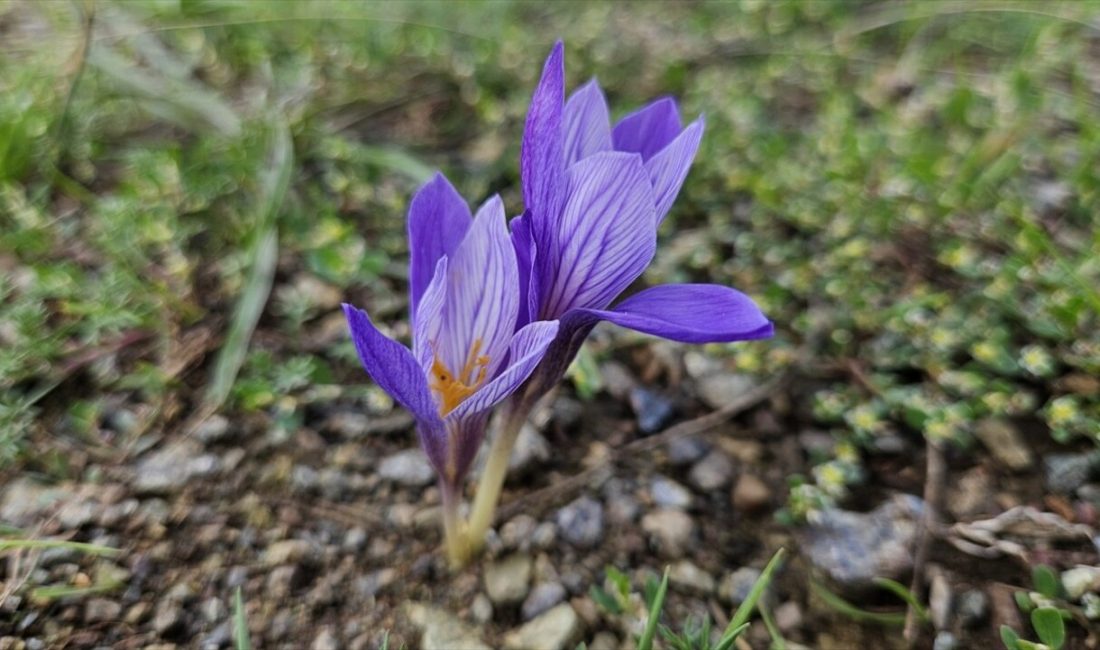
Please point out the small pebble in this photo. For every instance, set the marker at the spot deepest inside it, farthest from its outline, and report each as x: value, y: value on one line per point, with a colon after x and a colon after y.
x: 1067, y: 472
x: 750, y: 494
x: 544, y: 535
x: 652, y: 409
x: 506, y: 580
x: 686, y: 450
x: 101, y: 610
x: 718, y: 390
x: 517, y: 531
x: 668, y: 493
x: 213, y: 609
x: 544, y: 596
x: 355, y: 539
x: 409, y: 467
x: 788, y: 617
x: 670, y: 530
x: 945, y: 641
x: 736, y: 586
x: 286, y: 551
x: 556, y: 629
x: 168, y: 618
x: 325, y: 640
x: 604, y: 641
x: 581, y: 522
x: 972, y: 608
x: 481, y: 610
x: 711, y: 473
x: 685, y: 576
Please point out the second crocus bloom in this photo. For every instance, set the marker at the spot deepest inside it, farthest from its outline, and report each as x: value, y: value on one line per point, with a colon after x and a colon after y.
x: 594, y: 197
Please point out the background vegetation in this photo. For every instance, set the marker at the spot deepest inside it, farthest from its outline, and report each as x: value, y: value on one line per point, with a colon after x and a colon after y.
x: 188, y: 189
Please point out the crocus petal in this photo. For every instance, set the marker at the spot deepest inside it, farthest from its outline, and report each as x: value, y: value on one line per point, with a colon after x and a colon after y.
x: 586, y: 122
x: 438, y: 220
x: 428, y: 319
x: 691, y: 313
x: 649, y: 129
x: 482, y: 293
x: 394, y: 368
x: 607, y: 234
x: 526, y: 350
x: 526, y: 259
x: 542, y: 166
x: 669, y: 167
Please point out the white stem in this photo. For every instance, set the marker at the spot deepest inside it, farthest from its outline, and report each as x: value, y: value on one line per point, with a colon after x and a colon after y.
x: 491, y: 483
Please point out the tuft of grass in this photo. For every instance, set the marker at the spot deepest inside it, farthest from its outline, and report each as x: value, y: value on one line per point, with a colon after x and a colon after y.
x: 262, y: 257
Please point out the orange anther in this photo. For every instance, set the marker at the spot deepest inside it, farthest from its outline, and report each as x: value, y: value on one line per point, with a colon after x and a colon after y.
x: 454, y: 390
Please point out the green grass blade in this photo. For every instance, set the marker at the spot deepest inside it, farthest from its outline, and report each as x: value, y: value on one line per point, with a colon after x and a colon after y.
x: 93, y: 549
x: 54, y: 592
x: 730, y: 637
x: 902, y: 592
x: 778, y: 642
x: 853, y: 612
x: 397, y: 161
x: 261, y: 274
x: 645, y: 642
x: 189, y: 104
x: 241, y: 639
x: 744, y: 612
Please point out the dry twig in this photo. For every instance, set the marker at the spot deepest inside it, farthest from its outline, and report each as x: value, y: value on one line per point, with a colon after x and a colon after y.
x: 934, y: 478
x: 559, y: 491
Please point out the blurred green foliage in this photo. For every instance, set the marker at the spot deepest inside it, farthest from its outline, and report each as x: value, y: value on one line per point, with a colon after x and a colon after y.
x: 910, y: 190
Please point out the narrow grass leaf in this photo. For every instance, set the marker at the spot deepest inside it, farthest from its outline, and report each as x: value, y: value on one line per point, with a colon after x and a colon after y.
x: 54, y: 592
x: 261, y: 272
x: 730, y: 637
x: 92, y: 549
x: 397, y: 161
x: 902, y: 592
x: 744, y: 612
x: 604, y: 600
x: 645, y: 642
x: 853, y: 612
x: 778, y: 642
x: 183, y: 102
x: 241, y: 639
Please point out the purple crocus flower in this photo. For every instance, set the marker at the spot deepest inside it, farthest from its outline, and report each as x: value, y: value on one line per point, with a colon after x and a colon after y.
x: 468, y: 353
x: 594, y: 198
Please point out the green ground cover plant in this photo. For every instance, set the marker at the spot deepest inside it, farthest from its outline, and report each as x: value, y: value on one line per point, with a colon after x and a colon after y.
x: 189, y: 189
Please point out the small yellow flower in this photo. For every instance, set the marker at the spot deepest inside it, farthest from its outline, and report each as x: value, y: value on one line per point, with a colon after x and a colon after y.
x: 846, y: 452
x: 939, y: 430
x: 863, y: 418
x: 1036, y: 360
x: 984, y: 351
x: 1062, y: 411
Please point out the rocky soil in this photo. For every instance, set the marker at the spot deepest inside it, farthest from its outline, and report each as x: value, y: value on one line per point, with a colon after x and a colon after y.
x: 331, y: 531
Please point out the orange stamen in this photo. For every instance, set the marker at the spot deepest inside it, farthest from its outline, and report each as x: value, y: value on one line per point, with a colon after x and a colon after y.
x: 454, y: 390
